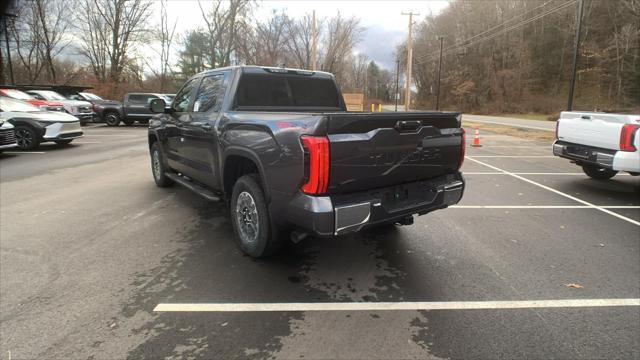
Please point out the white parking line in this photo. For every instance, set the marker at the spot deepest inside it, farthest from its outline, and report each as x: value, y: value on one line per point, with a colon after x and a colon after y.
x: 23, y: 152
x: 532, y: 173
x: 514, y: 156
x: 116, y: 135
x: 557, y: 192
x: 540, y: 207
x: 516, y: 146
x: 385, y: 306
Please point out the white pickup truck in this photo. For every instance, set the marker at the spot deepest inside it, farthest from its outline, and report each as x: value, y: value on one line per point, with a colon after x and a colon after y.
x: 603, y: 144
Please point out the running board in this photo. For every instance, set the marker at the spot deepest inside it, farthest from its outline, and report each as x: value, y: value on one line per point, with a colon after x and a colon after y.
x: 196, y: 188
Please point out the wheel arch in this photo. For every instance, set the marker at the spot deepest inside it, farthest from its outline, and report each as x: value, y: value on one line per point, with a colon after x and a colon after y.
x: 20, y: 121
x: 239, y: 161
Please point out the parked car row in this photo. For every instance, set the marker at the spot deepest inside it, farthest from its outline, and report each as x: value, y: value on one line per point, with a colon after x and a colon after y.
x: 85, y: 106
x: 33, y: 125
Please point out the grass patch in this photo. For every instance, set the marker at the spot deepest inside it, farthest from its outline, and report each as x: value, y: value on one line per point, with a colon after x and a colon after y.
x: 511, y: 131
x: 530, y: 116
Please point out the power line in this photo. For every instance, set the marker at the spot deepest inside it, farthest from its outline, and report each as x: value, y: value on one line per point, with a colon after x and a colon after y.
x: 499, y: 25
x: 466, y: 42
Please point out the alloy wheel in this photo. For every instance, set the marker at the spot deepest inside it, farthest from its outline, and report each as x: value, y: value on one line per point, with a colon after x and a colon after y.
x: 247, y: 217
x: 24, y: 138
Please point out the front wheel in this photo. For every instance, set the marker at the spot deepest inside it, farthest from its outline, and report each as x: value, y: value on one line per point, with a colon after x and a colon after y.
x: 63, y: 142
x: 597, y: 172
x: 26, y: 137
x: 255, y: 234
x: 112, y: 119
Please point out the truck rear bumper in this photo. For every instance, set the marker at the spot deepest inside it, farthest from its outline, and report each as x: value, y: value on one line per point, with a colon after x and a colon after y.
x: 341, y: 214
x: 606, y: 158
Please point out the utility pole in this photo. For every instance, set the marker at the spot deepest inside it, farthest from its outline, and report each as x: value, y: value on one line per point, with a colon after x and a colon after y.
x: 576, y: 49
x: 439, y: 75
x: 313, y: 41
x: 397, y: 79
x: 407, y: 96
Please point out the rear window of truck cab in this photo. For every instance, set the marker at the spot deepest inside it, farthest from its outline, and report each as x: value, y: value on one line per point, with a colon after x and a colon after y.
x: 286, y: 92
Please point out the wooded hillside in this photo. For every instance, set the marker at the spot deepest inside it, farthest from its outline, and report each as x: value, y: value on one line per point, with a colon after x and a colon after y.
x: 516, y: 56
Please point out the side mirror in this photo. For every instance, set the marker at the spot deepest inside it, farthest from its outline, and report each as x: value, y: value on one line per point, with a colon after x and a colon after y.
x: 157, y: 105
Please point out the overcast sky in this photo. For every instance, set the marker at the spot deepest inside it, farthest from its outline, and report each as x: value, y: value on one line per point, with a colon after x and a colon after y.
x: 385, y: 26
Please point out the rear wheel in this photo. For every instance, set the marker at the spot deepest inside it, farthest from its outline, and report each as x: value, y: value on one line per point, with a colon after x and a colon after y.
x: 144, y: 122
x: 63, y: 142
x: 26, y: 137
x: 254, y: 232
x: 597, y: 172
x: 112, y: 118
x: 157, y: 167
x: 128, y: 122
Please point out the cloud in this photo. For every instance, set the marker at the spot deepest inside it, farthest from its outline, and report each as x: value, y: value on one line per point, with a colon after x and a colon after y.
x: 379, y: 44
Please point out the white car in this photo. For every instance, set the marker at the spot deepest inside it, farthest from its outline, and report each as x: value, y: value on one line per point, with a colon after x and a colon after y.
x: 7, y: 135
x: 83, y: 110
x: 603, y: 144
x: 34, y: 125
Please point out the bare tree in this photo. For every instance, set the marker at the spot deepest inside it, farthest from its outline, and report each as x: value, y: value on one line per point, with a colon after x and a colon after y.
x: 270, y: 39
x: 299, y: 40
x: 223, y: 21
x: 342, y: 35
x: 110, y: 28
x: 39, y: 37
x: 164, y: 33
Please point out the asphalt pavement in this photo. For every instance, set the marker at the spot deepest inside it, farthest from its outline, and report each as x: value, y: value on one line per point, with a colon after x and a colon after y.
x: 89, y: 248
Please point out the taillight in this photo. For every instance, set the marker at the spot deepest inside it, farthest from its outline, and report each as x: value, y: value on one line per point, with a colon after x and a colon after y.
x: 557, y: 125
x: 627, y: 137
x: 316, y: 160
x: 463, y: 147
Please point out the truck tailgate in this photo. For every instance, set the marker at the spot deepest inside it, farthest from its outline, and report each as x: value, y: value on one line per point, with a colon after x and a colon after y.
x: 593, y: 129
x: 371, y: 150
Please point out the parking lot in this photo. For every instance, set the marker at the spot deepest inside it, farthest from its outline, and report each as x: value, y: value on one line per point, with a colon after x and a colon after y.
x: 91, y: 250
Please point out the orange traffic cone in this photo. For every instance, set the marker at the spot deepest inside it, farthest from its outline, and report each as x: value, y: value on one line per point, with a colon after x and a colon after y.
x: 476, y: 139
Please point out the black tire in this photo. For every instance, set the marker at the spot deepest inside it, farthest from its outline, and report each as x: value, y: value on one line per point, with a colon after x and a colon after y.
x: 144, y: 122
x: 248, y: 206
x: 27, y: 137
x: 63, y: 142
x: 112, y: 118
x: 597, y: 172
x: 158, y: 168
x: 128, y: 122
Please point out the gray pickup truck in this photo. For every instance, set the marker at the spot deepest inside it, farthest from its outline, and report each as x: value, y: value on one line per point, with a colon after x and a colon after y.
x: 136, y: 107
x: 278, y: 146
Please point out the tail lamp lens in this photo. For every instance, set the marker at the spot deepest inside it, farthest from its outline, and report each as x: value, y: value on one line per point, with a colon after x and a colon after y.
x: 316, y: 153
x: 627, y: 137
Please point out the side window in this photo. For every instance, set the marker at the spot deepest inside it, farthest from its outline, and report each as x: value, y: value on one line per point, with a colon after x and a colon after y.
x: 138, y: 99
x: 38, y: 96
x: 181, y: 101
x: 209, y: 94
